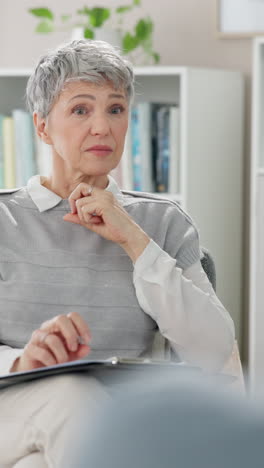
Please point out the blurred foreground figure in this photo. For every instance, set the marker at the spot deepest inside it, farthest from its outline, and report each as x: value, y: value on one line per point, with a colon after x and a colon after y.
x: 163, y: 421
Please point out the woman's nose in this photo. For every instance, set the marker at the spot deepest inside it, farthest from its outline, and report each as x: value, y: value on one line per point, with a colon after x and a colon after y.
x: 99, y: 125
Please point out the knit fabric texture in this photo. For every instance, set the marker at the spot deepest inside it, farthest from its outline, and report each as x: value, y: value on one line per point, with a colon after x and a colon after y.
x: 50, y: 267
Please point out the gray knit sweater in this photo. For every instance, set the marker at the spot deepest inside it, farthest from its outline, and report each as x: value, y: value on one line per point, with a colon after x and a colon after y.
x: 50, y: 267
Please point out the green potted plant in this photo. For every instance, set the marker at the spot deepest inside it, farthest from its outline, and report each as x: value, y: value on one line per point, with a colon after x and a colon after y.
x: 137, y: 43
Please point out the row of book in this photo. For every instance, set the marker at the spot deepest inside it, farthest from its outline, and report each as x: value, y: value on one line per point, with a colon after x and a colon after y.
x: 151, y: 159
x: 22, y: 154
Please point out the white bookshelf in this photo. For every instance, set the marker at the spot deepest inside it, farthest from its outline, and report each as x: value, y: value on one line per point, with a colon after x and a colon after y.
x: 256, y: 274
x: 211, y: 127
x: 211, y: 106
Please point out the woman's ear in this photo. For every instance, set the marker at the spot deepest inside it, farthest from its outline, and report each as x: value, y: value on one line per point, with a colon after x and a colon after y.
x: 40, y: 124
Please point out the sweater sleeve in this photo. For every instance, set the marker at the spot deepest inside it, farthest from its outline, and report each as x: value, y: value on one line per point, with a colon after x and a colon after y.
x: 185, y: 307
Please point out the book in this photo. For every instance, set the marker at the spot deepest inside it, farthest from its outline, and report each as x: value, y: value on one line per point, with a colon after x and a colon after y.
x: 24, y: 146
x: 9, y: 152
x: 142, y: 158
x: 152, y: 147
x: 145, y: 121
x: 163, y: 148
x: 135, y: 153
x: 174, y: 150
x: 2, y: 182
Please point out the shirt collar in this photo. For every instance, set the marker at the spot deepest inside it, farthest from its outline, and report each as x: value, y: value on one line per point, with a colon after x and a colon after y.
x: 45, y: 199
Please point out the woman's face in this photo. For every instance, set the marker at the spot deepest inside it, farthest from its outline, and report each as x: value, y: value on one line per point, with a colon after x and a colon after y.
x: 87, y: 126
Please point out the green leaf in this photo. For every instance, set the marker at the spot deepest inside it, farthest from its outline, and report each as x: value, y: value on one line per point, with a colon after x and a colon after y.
x: 88, y: 33
x: 129, y: 42
x: 85, y: 11
x: 123, y: 9
x: 45, y: 26
x: 98, y: 16
x: 144, y: 29
x: 137, y: 2
x: 156, y: 57
x: 42, y: 13
x: 65, y: 18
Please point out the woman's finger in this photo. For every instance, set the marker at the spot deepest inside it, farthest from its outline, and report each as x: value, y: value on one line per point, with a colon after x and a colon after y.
x: 34, y: 352
x: 72, y: 218
x: 96, y: 206
x: 58, y: 348
x: 81, y: 352
x: 65, y: 326
x: 79, y: 208
x: 82, y: 190
x: 89, y: 215
x: 81, y: 326
x: 89, y: 204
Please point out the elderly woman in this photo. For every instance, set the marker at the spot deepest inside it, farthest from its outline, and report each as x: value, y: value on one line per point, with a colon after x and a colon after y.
x: 86, y: 268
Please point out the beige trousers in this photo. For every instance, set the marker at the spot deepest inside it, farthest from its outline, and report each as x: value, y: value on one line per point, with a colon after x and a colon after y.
x: 38, y: 419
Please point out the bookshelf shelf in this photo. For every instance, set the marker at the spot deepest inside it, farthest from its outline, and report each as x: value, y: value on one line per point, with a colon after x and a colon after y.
x: 16, y: 72
x: 210, y: 103
x: 256, y: 272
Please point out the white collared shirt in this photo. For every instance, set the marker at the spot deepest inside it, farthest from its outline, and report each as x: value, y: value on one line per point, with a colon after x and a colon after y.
x: 181, y: 302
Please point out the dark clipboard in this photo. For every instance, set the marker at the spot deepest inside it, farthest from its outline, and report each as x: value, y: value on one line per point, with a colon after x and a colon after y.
x: 89, y: 366
x: 113, y: 363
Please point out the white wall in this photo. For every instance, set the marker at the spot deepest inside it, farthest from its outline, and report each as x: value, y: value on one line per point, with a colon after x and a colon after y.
x: 185, y: 34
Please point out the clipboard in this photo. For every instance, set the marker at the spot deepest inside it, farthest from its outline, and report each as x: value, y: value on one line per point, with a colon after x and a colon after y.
x: 90, y: 366
x: 111, y: 364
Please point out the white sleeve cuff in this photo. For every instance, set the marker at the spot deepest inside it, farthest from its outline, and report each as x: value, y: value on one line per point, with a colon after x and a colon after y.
x: 148, y: 258
x: 7, y: 357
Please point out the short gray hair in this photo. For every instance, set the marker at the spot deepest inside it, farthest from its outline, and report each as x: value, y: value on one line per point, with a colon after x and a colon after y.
x: 84, y: 59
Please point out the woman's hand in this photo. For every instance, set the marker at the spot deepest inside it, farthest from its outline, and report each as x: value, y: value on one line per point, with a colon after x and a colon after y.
x: 99, y: 211
x: 62, y: 339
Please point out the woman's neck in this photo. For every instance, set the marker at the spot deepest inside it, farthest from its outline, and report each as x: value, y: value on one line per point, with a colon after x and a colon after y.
x: 64, y: 188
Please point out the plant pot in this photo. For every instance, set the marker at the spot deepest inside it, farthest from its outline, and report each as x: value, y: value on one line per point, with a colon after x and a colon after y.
x: 77, y: 33
x: 111, y: 36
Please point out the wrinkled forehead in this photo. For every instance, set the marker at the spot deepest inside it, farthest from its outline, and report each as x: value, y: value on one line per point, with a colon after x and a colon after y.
x: 73, y: 86
x: 103, y: 90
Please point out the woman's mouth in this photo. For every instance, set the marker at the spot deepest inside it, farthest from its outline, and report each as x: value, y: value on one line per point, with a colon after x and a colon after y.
x: 100, y: 150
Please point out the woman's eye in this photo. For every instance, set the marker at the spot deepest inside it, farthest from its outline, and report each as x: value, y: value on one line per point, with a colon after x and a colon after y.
x: 80, y: 110
x: 117, y: 110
